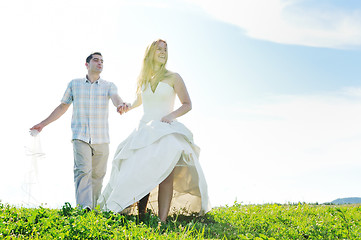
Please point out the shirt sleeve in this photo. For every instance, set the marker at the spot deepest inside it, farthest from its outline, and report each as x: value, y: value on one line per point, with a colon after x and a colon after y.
x: 113, y: 89
x: 68, y: 95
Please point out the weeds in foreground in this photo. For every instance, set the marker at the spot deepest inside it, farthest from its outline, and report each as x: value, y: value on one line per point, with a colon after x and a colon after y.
x: 269, y: 221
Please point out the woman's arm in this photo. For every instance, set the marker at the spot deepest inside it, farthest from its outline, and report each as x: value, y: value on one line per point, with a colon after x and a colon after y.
x: 181, y: 90
x: 137, y: 102
x: 127, y: 106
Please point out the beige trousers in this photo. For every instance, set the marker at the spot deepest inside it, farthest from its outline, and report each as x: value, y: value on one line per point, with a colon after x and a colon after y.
x: 90, y: 165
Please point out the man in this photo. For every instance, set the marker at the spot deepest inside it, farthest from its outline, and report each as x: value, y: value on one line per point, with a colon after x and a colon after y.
x: 90, y: 97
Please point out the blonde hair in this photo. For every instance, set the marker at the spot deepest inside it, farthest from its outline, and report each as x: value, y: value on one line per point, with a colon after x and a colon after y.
x: 147, y: 72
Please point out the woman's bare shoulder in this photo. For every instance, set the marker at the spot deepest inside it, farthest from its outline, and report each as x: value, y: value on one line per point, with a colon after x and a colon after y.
x: 172, y: 78
x: 173, y: 75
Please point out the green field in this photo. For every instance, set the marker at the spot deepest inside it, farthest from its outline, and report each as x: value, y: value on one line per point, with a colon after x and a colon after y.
x: 268, y: 221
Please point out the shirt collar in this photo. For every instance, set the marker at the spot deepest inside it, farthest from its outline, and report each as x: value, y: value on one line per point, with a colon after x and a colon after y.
x: 88, y: 81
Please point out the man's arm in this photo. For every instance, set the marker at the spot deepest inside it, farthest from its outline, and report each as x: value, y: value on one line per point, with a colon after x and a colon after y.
x: 57, y: 113
x: 119, y: 104
x: 116, y: 100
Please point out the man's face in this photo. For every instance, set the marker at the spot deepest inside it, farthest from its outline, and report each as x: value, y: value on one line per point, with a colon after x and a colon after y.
x: 96, y: 64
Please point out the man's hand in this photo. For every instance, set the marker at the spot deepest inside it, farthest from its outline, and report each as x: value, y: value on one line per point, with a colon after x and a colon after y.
x: 38, y: 127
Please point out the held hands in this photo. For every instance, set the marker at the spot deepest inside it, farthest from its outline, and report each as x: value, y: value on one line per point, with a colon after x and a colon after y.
x: 123, y: 108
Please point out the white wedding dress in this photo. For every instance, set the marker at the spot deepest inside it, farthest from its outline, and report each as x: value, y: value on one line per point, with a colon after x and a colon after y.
x: 149, y: 155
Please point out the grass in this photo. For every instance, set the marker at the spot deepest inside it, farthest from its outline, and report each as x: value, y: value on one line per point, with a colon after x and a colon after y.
x: 269, y: 221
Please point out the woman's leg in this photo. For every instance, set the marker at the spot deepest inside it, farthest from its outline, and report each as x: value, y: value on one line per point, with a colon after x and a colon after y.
x: 165, y: 194
x: 142, y: 206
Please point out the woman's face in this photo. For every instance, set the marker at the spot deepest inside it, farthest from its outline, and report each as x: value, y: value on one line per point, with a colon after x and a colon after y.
x: 160, y: 55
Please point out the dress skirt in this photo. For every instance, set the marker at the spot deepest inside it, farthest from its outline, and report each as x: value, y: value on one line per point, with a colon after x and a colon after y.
x: 145, y: 159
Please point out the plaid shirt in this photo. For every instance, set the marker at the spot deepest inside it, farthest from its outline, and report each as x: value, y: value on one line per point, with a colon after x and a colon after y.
x: 90, y: 109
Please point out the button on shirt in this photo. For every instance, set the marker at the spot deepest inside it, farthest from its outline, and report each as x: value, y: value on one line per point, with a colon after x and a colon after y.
x: 90, y: 109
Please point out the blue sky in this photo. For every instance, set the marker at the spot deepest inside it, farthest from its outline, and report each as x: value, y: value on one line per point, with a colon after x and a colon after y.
x: 274, y: 85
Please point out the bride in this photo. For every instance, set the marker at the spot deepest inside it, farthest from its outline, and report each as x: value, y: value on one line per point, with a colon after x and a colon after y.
x: 160, y: 152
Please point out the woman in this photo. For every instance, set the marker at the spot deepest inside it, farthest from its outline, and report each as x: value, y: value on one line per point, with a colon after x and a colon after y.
x: 160, y: 152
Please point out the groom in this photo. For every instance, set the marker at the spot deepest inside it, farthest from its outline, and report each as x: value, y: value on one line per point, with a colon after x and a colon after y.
x: 90, y: 97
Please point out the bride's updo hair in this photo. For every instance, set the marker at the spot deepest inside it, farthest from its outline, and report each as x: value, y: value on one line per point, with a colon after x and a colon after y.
x: 147, y: 72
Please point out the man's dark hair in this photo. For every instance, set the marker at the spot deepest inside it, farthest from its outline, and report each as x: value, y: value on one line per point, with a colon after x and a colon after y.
x: 91, y: 56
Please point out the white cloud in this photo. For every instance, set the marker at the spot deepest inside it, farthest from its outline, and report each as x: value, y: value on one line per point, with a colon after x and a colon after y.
x: 327, y: 123
x: 290, y: 22
x: 352, y: 91
x: 284, y: 149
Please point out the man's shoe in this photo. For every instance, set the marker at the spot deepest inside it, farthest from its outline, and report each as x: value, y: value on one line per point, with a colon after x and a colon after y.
x: 87, y: 209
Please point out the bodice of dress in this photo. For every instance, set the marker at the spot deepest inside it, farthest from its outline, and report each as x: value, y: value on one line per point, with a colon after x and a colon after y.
x: 158, y: 104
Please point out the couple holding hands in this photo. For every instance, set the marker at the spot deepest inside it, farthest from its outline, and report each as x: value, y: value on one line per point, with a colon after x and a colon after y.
x: 157, y: 164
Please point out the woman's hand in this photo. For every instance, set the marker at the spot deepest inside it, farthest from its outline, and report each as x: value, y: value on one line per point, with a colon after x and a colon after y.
x: 167, y: 119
